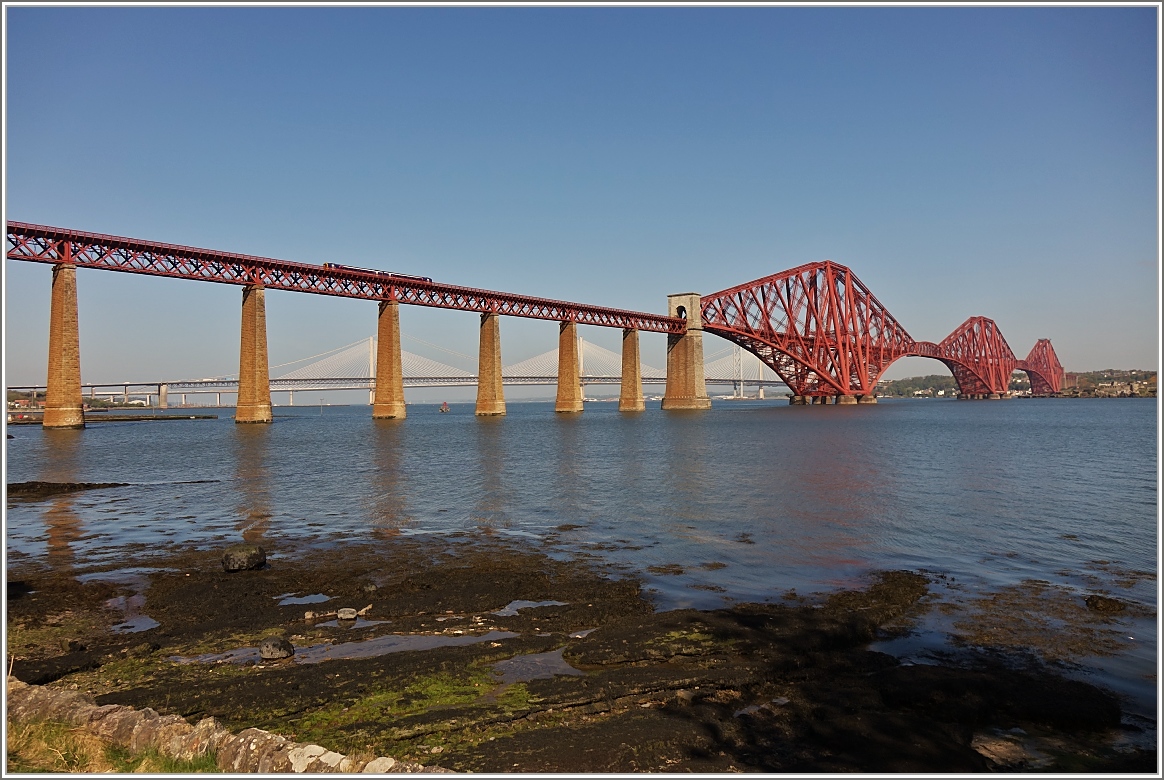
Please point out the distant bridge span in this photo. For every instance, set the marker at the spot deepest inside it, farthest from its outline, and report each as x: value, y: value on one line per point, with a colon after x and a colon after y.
x: 816, y: 326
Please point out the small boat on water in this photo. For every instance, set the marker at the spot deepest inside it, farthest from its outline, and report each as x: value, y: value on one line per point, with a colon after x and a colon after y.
x: 444, y: 406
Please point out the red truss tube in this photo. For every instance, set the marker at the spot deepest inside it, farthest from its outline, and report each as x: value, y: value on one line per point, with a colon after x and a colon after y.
x: 43, y: 244
x: 1043, y: 367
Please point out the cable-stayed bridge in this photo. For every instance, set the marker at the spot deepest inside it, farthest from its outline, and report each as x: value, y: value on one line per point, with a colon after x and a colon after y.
x: 353, y: 367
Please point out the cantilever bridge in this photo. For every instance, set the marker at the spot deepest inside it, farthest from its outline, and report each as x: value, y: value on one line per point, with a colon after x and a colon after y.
x: 824, y: 333
x: 817, y: 327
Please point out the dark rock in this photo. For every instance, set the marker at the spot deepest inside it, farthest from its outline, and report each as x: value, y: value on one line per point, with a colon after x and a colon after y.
x: 275, y: 647
x: 241, y: 557
x: 1104, y: 604
x: 37, y: 490
x: 72, y: 646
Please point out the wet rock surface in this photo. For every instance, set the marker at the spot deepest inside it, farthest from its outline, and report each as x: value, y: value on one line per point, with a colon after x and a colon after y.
x: 787, y: 687
x: 1104, y: 604
x: 35, y: 491
x: 275, y: 647
x: 243, y: 557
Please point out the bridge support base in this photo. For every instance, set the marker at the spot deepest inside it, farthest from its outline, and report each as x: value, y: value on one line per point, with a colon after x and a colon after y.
x: 569, y: 372
x: 866, y: 399
x: 797, y: 400
x: 163, y: 396
x: 388, y: 396
x: 63, y: 405
x: 686, y: 387
x: 254, y: 379
x: 846, y: 399
x: 630, y: 395
x: 490, y: 393
x: 993, y: 397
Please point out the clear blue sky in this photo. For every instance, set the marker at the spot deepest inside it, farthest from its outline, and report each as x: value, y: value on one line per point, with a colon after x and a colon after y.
x: 962, y: 161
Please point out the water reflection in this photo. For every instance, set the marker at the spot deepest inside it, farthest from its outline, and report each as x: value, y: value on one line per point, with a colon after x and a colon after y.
x: 489, y: 511
x: 252, y: 455
x: 685, y: 472
x: 835, y: 490
x: 61, y: 520
x: 569, y: 492
x: 389, y: 500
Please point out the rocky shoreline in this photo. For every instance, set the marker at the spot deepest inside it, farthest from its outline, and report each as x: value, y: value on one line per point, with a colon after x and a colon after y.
x: 479, y: 656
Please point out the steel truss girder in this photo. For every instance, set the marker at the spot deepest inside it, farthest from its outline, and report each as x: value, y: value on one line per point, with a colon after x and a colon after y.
x: 42, y: 244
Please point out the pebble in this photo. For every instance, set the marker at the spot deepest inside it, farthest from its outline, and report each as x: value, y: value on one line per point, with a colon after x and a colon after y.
x: 241, y: 557
x: 347, y: 613
x: 275, y: 647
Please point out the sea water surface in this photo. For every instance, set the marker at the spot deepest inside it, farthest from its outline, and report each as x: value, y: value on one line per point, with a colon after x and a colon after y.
x: 744, y: 502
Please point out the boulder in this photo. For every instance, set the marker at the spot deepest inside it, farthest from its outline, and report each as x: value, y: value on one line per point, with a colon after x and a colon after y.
x: 241, y: 557
x: 347, y: 613
x: 275, y: 647
x: 1104, y: 604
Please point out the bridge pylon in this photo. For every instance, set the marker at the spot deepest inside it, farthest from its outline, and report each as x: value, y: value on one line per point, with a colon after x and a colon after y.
x: 254, y: 377
x: 569, y: 397
x: 686, y: 386
x: 63, y: 405
x: 388, y: 398
x: 490, y: 391
x: 630, y: 393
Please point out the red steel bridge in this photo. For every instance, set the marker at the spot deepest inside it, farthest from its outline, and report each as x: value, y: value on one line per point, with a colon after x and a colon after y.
x: 821, y: 330
x: 817, y: 326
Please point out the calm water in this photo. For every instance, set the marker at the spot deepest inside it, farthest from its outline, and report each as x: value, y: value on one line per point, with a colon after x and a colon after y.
x: 806, y: 498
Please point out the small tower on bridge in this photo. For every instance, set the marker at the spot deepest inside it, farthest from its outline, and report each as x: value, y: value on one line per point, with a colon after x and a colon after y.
x: 686, y: 387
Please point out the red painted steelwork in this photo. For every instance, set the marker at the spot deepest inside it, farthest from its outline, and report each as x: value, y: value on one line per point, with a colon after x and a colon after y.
x: 42, y: 244
x: 1043, y: 368
x: 821, y: 330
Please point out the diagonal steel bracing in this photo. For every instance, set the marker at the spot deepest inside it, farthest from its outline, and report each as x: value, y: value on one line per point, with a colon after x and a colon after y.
x: 824, y: 333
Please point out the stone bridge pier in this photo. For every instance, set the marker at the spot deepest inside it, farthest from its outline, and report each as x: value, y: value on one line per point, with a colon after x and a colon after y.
x: 388, y: 394
x: 630, y: 396
x: 490, y: 391
x: 686, y: 384
x: 254, y: 379
x: 569, y: 370
x: 63, y: 405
